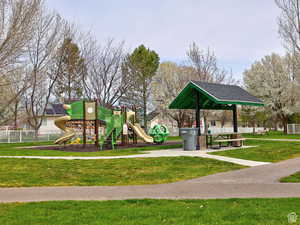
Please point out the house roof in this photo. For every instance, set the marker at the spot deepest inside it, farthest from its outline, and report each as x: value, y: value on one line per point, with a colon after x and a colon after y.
x: 152, y: 115
x: 55, y: 109
x: 213, y: 96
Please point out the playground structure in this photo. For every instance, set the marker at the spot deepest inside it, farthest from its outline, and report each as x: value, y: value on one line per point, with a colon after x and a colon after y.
x: 107, y: 125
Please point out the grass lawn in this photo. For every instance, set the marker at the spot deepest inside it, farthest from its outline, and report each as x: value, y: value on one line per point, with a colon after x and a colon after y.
x: 152, y: 212
x: 42, y: 172
x: 174, y: 138
x: 295, y: 178
x: 26, y: 144
x: 273, y: 135
x: 12, y: 150
x: 266, y: 151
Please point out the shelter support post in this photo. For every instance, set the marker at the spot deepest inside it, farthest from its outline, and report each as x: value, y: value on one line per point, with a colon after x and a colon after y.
x: 235, y: 125
x: 236, y: 135
x: 198, y: 119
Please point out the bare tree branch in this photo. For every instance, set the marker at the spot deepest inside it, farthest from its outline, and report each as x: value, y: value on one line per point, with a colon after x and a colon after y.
x: 105, y: 79
x: 48, y: 36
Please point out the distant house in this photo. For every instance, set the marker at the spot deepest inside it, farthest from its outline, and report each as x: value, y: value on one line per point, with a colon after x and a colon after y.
x: 53, y: 111
x: 213, y: 121
x: 155, y: 118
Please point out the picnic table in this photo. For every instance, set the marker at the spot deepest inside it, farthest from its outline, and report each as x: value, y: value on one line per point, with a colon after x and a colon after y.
x: 262, y: 132
x: 232, y: 138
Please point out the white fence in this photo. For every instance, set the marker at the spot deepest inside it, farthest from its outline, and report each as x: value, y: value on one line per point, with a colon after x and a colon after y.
x: 293, y: 128
x: 216, y: 130
x: 19, y: 136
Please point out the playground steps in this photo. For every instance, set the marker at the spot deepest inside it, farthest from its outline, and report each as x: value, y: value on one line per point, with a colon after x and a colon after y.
x: 108, y: 142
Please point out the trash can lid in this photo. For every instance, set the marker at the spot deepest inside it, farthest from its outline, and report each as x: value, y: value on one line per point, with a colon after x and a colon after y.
x: 190, y: 131
x: 188, y: 128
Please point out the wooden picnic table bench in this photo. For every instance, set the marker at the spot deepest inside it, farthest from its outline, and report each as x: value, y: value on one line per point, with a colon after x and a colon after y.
x: 220, y: 138
x: 220, y: 141
x: 262, y: 132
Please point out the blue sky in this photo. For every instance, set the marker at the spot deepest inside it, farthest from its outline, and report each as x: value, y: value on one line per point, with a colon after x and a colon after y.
x: 239, y: 32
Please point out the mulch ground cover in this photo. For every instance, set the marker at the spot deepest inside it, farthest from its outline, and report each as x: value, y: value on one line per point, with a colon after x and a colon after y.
x: 93, y: 148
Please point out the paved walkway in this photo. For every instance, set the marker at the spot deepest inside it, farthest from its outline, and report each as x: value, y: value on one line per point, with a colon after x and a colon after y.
x: 155, y: 154
x: 253, y: 182
x: 270, y: 139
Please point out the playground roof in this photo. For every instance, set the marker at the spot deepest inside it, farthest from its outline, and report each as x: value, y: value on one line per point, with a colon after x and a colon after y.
x: 213, y: 96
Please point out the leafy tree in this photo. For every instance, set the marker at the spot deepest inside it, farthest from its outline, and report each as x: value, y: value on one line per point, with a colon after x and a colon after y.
x: 273, y: 80
x: 142, y: 64
x: 169, y: 80
x: 253, y: 116
x: 295, y: 118
x: 72, y: 67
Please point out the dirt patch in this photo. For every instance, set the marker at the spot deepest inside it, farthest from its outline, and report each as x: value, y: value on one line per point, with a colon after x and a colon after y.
x: 93, y: 148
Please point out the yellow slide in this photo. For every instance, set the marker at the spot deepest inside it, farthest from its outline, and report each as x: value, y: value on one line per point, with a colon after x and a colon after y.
x: 61, y: 124
x: 140, y: 132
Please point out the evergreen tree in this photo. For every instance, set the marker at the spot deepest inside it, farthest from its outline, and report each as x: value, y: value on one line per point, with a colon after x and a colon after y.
x: 72, y: 68
x: 142, y: 65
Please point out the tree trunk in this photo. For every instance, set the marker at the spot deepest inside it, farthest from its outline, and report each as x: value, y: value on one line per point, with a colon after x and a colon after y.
x: 36, y: 130
x: 285, y: 128
x: 253, y: 124
x: 190, y: 121
x: 205, y: 123
x: 275, y: 124
x: 222, y: 123
x: 284, y: 123
x: 16, y: 115
x: 179, y: 125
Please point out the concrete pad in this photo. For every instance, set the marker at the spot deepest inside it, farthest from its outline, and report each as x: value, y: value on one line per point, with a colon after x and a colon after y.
x: 153, y: 154
x: 235, y: 160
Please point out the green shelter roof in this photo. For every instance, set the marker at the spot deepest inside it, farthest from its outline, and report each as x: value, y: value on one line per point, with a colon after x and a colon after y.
x: 213, y: 96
